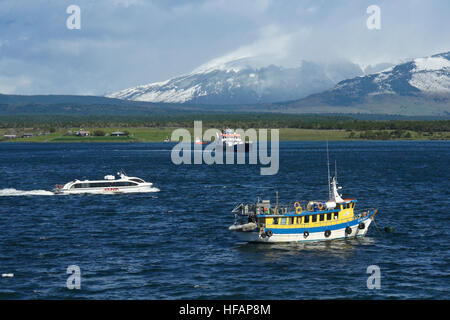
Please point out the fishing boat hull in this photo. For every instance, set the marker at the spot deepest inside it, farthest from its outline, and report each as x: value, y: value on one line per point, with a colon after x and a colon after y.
x: 354, y: 229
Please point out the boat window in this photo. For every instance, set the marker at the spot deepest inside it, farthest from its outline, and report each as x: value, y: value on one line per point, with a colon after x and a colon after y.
x: 292, y: 220
x: 322, y: 217
x: 335, y: 215
x: 77, y: 185
x: 283, y: 220
x: 124, y: 184
x: 99, y: 184
x: 314, y: 218
x: 299, y: 220
x: 275, y: 220
x: 328, y: 216
x: 137, y: 180
x: 306, y: 219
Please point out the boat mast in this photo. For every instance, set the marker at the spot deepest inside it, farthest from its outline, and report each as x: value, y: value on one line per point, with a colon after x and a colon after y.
x: 328, y: 165
x: 335, y: 170
x: 277, y: 197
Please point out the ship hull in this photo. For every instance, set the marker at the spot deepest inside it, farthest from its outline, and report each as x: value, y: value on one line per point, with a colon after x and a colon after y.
x: 313, y: 234
x: 109, y: 190
x: 244, y: 147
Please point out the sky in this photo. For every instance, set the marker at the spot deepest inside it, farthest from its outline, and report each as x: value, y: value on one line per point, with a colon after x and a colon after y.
x: 123, y: 43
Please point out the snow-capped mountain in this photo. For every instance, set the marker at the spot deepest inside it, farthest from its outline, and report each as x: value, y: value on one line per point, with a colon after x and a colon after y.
x: 243, y: 81
x: 422, y: 75
x: 420, y: 86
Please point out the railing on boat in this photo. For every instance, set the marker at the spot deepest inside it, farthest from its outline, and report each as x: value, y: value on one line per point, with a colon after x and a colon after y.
x: 288, y: 212
x: 274, y: 209
x: 328, y: 222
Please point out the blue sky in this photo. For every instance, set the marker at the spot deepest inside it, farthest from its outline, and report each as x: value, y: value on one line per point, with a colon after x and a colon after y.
x: 123, y: 43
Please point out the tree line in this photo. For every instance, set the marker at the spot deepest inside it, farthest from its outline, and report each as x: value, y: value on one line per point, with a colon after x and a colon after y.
x: 243, y: 121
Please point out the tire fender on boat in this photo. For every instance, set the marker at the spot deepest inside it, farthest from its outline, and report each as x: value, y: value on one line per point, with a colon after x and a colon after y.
x: 348, y: 230
x: 361, y: 225
x: 269, y: 233
x: 306, y: 234
x: 327, y: 233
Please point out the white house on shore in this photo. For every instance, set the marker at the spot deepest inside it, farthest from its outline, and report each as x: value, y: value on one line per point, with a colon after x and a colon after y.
x: 82, y: 133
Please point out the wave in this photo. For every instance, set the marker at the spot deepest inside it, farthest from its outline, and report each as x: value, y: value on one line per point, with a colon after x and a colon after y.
x: 14, y: 192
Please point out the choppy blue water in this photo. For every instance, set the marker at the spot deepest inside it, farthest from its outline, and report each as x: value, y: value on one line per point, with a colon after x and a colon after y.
x: 174, y: 244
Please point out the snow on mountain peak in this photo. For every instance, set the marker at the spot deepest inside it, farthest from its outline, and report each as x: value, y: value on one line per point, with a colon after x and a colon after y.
x: 243, y: 80
x: 431, y: 63
x: 421, y: 76
x: 431, y: 74
x: 247, y: 79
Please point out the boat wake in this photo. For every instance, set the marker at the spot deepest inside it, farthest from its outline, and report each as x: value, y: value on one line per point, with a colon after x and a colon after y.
x: 14, y: 192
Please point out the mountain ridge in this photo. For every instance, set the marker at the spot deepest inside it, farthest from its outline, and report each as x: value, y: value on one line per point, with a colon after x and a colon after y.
x: 243, y: 81
x: 420, y: 86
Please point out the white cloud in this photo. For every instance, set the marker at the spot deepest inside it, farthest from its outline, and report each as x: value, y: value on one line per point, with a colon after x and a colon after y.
x: 123, y: 43
x: 271, y: 46
x: 128, y: 3
x: 14, y: 84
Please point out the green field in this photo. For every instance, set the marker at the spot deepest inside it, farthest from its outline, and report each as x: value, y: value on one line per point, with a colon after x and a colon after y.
x: 140, y: 134
x: 155, y: 128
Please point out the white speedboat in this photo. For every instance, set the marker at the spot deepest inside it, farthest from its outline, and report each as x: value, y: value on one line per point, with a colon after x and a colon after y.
x: 123, y: 184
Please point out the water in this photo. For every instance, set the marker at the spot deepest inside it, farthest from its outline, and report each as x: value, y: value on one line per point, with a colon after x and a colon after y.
x: 174, y: 244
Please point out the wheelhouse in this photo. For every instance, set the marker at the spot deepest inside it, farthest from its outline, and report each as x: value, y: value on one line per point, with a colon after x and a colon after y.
x: 298, y: 215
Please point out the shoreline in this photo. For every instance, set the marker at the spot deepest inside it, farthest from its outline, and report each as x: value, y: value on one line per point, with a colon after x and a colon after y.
x: 23, y: 141
x: 156, y: 135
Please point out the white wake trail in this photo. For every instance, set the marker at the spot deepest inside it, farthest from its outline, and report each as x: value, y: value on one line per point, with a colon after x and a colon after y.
x: 14, y: 192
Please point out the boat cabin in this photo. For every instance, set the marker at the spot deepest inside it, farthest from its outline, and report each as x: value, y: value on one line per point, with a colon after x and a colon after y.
x: 299, y: 215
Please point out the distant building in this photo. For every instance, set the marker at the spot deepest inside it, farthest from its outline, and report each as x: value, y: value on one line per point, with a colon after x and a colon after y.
x: 82, y: 133
x: 27, y: 135
x: 10, y: 136
x: 118, y: 134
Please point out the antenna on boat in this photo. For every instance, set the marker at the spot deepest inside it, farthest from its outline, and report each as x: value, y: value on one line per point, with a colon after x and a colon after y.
x: 335, y: 170
x: 276, y: 192
x: 328, y: 164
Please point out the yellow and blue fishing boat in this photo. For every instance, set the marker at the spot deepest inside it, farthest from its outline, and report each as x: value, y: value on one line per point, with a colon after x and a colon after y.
x: 302, y: 221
